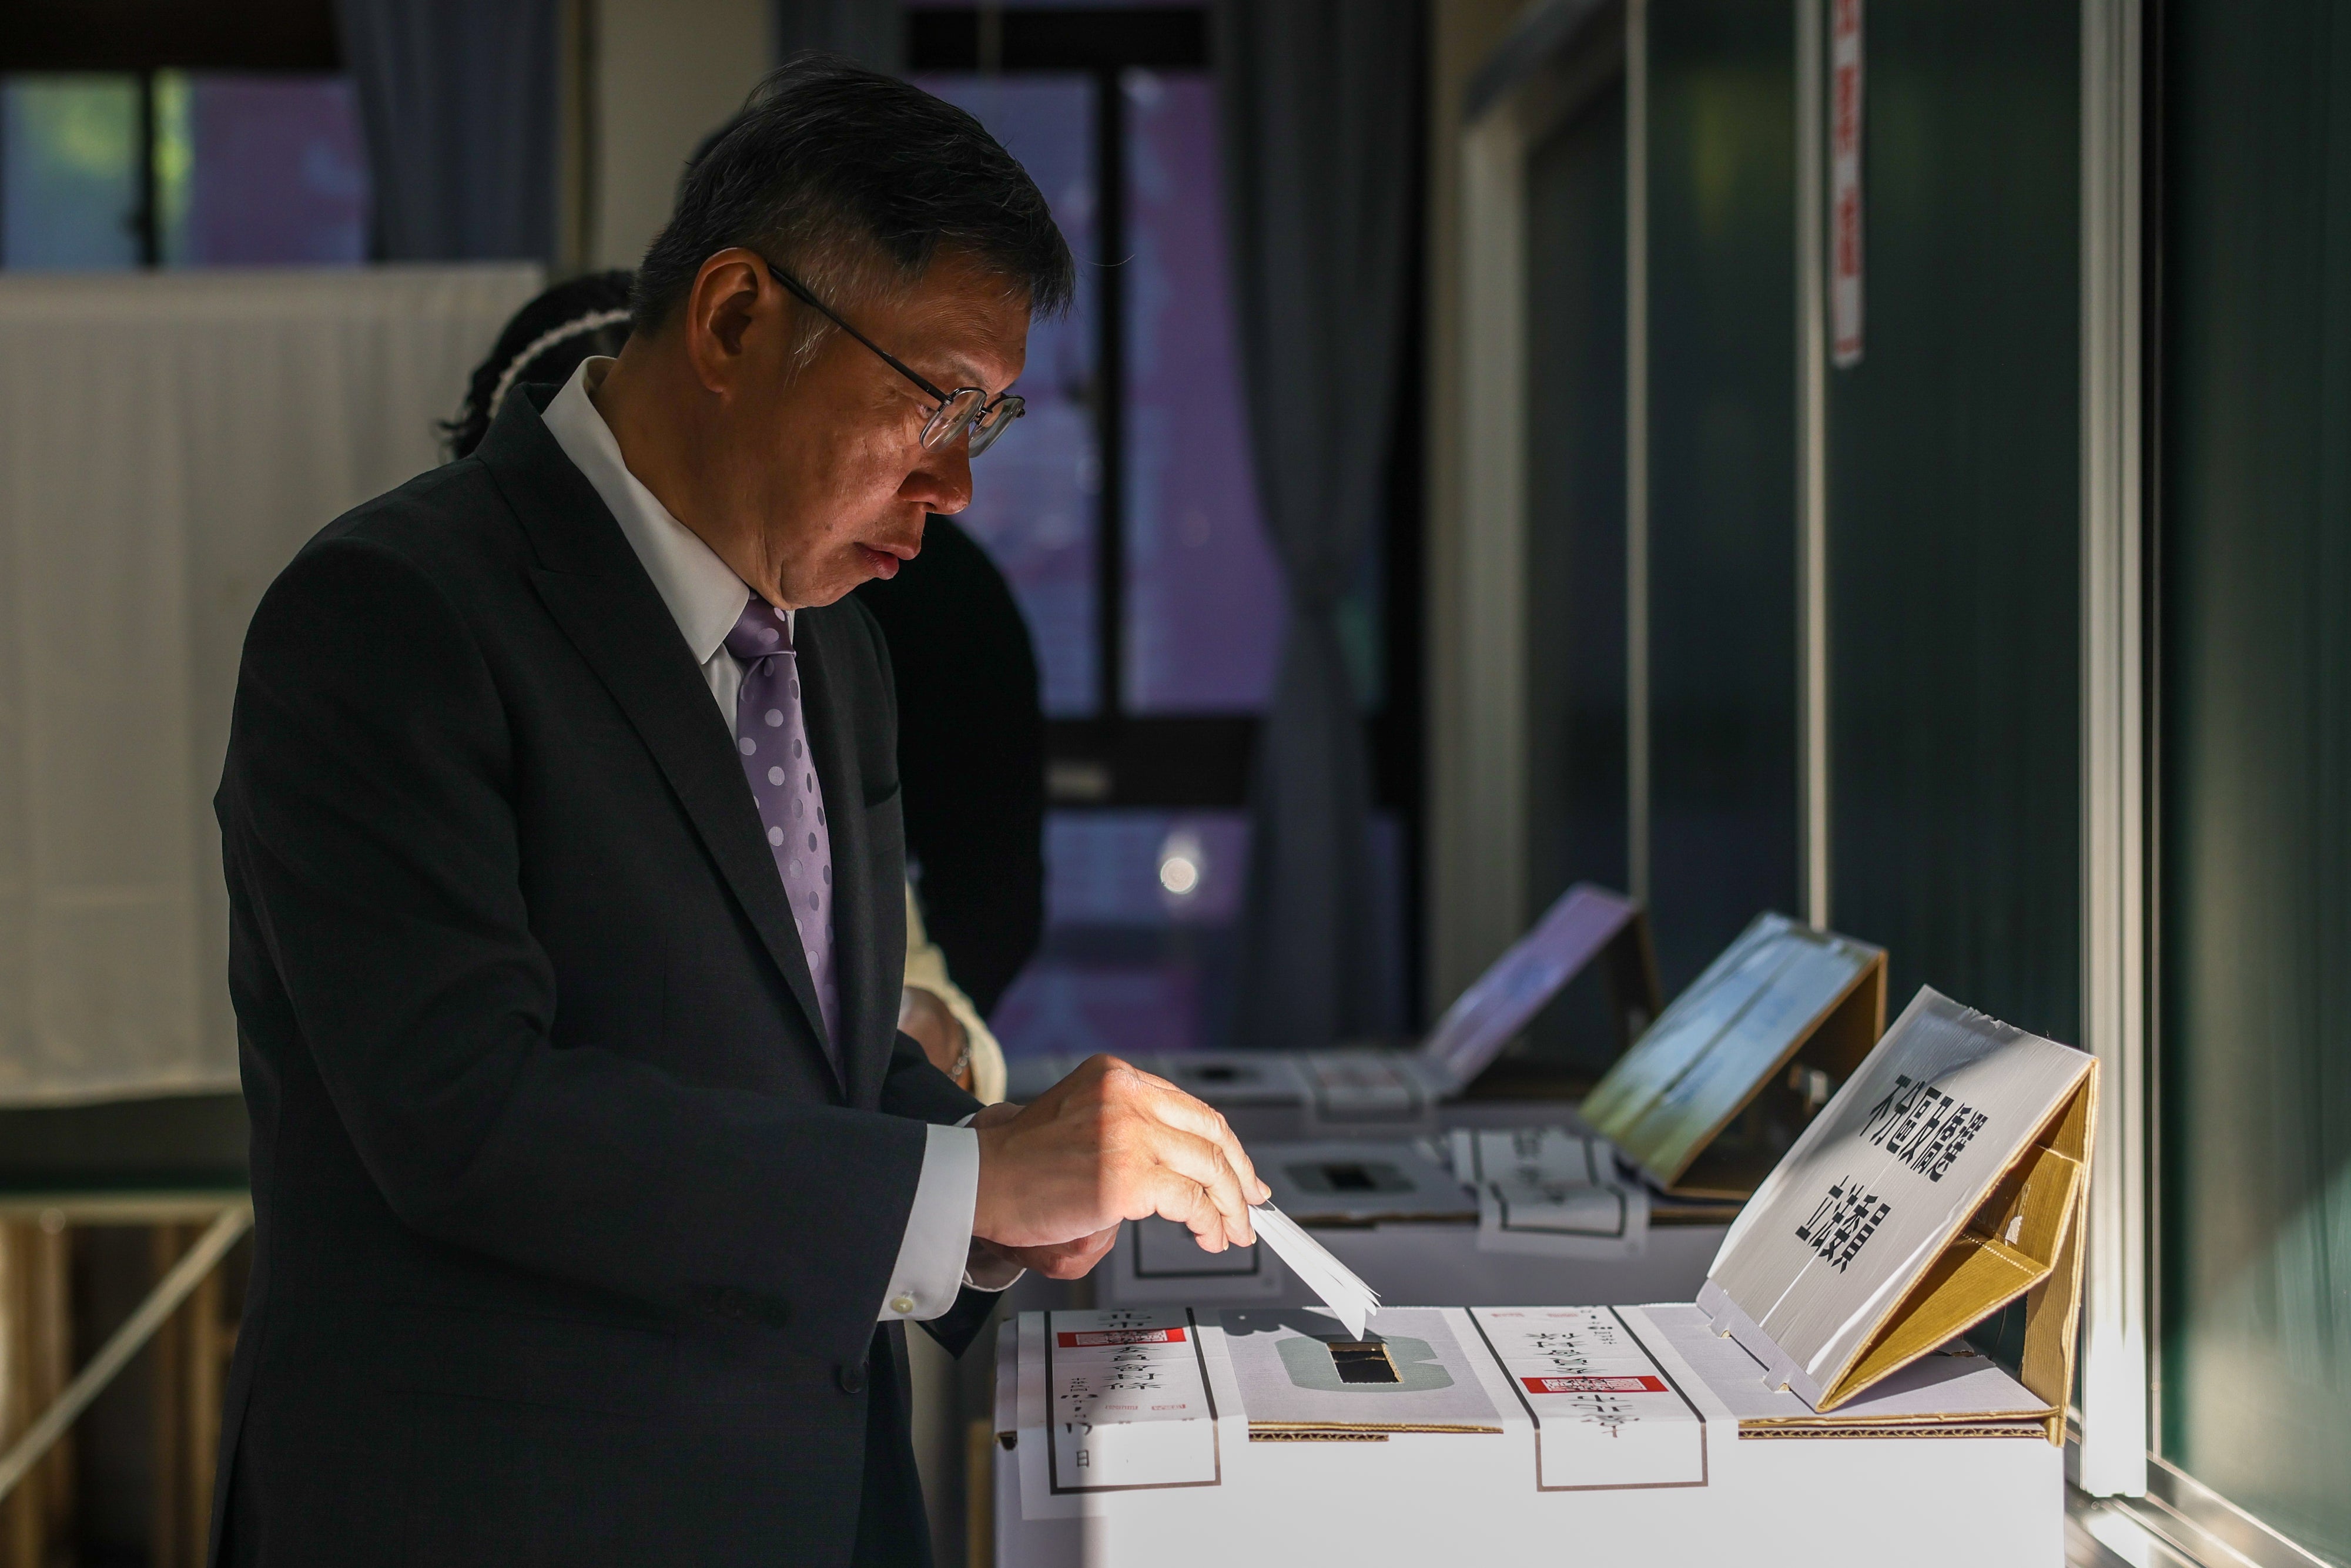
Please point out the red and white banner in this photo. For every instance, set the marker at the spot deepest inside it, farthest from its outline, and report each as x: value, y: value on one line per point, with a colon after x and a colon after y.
x: 1844, y: 183
x: 1639, y: 1384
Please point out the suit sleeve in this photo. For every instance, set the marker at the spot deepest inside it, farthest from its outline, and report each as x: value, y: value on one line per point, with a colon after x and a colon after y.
x: 912, y: 1087
x: 370, y: 836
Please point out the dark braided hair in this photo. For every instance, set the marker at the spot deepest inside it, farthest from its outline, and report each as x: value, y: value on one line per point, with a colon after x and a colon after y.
x: 576, y: 320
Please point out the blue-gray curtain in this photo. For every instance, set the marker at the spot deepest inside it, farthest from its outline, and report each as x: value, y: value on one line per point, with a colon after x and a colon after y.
x: 458, y: 98
x: 871, y: 32
x: 1320, y: 112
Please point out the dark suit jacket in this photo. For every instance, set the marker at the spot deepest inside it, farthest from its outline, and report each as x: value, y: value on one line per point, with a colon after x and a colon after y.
x: 971, y: 754
x: 568, y: 1239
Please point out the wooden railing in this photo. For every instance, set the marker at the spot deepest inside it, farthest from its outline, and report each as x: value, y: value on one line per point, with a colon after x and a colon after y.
x: 39, y: 1403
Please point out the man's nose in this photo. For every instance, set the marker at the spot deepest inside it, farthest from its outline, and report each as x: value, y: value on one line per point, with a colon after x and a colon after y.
x: 941, y: 482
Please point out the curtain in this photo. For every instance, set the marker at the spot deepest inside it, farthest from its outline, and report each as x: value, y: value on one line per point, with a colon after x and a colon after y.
x: 167, y: 442
x: 458, y: 98
x: 1320, y: 112
x: 871, y: 32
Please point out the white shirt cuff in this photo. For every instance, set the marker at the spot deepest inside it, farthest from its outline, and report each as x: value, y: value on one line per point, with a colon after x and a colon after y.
x: 987, y: 1269
x: 936, y: 1248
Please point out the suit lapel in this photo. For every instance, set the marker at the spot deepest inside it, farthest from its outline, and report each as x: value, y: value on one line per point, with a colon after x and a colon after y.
x: 598, y: 592
x: 818, y: 641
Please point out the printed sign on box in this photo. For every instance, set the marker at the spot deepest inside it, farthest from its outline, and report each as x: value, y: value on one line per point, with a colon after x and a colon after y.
x: 1946, y: 1180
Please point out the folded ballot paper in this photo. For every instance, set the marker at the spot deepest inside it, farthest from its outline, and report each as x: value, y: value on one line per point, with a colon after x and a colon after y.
x: 1334, y: 1284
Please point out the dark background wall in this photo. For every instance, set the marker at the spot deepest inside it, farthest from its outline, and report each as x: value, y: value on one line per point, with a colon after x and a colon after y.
x: 2254, y: 1041
x: 1722, y: 475
x: 1954, y: 506
x: 1575, y: 536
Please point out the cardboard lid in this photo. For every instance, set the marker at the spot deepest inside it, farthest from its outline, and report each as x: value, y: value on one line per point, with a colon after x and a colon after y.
x: 1781, y: 991
x: 1944, y: 1180
x: 1515, y: 987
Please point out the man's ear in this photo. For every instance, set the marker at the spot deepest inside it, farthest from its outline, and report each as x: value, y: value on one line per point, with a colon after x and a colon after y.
x: 731, y: 293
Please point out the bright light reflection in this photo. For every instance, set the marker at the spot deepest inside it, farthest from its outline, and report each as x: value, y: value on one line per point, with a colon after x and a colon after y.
x: 1183, y: 863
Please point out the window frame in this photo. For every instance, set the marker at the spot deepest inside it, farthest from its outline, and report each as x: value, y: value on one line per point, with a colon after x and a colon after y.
x: 145, y: 38
x: 1114, y: 757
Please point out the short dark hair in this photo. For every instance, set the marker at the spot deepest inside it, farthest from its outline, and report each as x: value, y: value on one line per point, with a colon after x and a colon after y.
x: 854, y: 181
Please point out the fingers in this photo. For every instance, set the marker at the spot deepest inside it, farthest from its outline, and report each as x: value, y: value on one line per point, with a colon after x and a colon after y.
x: 1172, y: 1196
x: 1160, y: 1151
x: 1203, y: 1164
x: 1169, y: 1105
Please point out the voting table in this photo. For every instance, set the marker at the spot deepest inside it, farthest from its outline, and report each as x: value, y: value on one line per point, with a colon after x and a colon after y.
x: 1451, y: 1200
x: 1812, y: 1404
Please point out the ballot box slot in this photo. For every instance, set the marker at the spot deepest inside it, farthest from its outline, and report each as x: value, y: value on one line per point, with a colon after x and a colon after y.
x: 1363, y: 1361
x: 1350, y: 1175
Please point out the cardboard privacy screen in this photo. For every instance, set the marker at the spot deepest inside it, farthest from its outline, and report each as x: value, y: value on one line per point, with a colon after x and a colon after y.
x: 1588, y: 923
x: 1706, y: 1101
x: 1947, y: 1179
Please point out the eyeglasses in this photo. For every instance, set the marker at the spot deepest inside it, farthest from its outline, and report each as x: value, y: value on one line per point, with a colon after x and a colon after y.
x: 964, y: 409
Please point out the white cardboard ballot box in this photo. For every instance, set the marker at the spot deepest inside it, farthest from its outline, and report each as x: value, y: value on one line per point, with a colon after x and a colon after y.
x: 1812, y: 1407
x: 1553, y: 1434
x: 1380, y: 1092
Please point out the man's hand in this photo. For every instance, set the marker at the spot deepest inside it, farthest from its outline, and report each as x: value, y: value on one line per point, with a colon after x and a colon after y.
x: 1107, y: 1144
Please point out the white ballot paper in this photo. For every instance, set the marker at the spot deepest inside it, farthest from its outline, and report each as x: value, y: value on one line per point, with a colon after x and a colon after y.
x: 1547, y: 1191
x: 1350, y: 1301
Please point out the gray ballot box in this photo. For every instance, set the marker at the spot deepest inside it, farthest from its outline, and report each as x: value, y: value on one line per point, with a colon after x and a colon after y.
x: 1812, y: 1404
x: 1375, y: 1091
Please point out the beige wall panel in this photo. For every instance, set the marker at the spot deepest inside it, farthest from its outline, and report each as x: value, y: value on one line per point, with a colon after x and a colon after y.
x: 666, y: 73
x: 1470, y: 917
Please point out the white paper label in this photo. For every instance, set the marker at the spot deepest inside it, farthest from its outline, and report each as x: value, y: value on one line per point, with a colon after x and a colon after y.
x: 1606, y: 1414
x: 1362, y: 1086
x: 1544, y: 1190
x: 1130, y: 1401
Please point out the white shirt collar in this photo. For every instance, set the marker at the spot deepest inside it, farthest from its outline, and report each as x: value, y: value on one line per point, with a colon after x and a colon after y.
x: 704, y: 595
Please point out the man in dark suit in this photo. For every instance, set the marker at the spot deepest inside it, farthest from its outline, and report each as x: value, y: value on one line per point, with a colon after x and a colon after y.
x: 593, y: 1182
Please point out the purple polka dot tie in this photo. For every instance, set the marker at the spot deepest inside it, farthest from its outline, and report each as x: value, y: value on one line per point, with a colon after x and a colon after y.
x: 773, y: 739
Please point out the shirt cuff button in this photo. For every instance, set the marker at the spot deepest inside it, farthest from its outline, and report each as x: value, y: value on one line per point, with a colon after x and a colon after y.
x: 902, y: 1305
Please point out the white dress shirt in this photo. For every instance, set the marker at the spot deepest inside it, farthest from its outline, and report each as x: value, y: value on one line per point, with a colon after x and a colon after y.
x: 937, y: 1257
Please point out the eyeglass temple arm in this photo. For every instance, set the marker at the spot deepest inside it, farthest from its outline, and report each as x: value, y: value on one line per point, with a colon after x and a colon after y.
x: 800, y: 290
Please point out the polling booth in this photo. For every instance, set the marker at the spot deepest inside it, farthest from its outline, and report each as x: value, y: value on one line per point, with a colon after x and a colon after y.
x: 1811, y: 1392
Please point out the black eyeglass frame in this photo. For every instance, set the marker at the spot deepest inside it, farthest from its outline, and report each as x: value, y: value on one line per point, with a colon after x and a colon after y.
x: 984, y: 418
